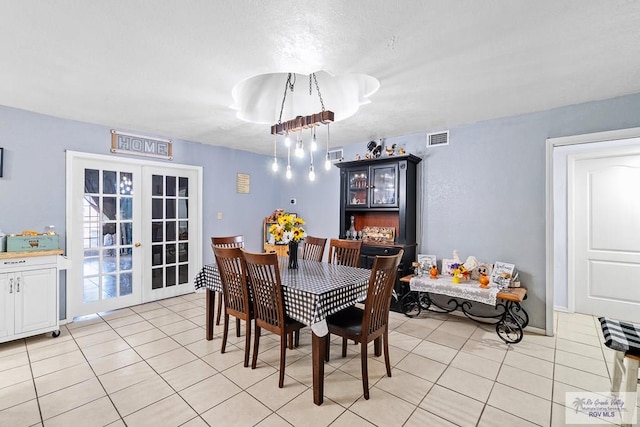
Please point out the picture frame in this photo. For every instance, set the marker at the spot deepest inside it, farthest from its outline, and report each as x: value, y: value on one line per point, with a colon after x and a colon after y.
x: 426, y: 261
x: 446, y: 266
x: 502, y: 274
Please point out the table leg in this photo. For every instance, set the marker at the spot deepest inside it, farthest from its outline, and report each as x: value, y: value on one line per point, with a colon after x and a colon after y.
x: 209, y: 313
x: 318, y: 348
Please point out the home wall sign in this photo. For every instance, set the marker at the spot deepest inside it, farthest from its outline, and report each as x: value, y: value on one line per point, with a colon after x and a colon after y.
x: 138, y: 145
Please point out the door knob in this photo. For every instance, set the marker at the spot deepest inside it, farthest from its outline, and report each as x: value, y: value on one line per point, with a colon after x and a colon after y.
x: 137, y: 244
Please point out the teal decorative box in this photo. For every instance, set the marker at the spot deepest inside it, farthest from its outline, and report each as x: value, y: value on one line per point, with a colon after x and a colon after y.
x: 39, y: 242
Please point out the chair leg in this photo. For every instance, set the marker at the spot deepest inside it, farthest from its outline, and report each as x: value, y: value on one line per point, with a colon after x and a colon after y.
x: 256, y: 344
x: 365, y: 369
x: 225, y: 332
x: 327, y: 347
x: 385, y: 344
x: 237, y: 327
x: 290, y: 340
x: 344, y: 347
x: 377, y: 346
x: 247, y: 341
x: 220, y: 304
x: 296, y: 336
x: 283, y: 358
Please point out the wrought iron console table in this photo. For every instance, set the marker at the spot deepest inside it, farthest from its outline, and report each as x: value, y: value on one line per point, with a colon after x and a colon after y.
x: 509, y: 316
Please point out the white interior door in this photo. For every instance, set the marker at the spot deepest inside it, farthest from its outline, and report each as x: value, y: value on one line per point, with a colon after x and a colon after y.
x: 133, y: 231
x: 604, y: 233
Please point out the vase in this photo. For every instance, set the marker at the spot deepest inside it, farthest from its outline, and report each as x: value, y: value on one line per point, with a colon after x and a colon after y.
x: 293, y: 255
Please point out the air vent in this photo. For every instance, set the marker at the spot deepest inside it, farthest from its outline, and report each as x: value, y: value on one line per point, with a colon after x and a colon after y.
x: 437, y: 139
x: 336, y: 155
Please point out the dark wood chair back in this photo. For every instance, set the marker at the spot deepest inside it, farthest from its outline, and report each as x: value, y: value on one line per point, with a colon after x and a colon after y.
x: 313, y: 248
x: 228, y: 241
x: 266, y: 289
x: 345, y: 252
x: 378, y: 302
x: 237, y: 301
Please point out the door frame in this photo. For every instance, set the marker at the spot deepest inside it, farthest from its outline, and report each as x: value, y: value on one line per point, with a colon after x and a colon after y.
x: 556, y: 177
x: 72, y: 157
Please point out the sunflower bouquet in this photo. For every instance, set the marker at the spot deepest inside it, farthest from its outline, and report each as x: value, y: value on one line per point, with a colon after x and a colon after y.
x: 288, y: 229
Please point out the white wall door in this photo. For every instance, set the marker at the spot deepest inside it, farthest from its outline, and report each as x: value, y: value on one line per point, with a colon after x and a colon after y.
x: 133, y: 231
x: 604, y: 233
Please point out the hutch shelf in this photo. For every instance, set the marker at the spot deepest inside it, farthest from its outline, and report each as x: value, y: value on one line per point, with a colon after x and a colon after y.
x: 381, y: 193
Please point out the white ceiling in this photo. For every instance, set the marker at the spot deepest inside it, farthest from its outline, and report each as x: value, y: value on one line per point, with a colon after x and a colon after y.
x: 167, y: 68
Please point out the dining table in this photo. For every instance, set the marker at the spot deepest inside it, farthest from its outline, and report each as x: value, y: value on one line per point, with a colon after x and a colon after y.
x: 312, y: 292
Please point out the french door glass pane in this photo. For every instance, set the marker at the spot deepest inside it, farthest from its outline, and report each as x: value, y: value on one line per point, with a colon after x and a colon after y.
x: 171, y: 186
x: 169, y: 258
x: 107, y: 234
x: 157, y: 184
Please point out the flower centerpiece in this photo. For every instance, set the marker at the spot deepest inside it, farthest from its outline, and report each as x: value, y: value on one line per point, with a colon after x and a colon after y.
x: 459, y: 273
x: 288, y: 231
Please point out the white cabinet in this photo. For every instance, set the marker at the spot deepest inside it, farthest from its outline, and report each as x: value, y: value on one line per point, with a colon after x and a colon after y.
x: 28, y: 295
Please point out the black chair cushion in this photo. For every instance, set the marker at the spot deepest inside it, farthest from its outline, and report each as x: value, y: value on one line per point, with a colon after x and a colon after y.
x: 348, y: 320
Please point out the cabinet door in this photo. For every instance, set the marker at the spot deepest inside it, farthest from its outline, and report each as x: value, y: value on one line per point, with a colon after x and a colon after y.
x: 35, y: 300
x: 384, y: 186
x: 358, y: 188
x: 6, y: 305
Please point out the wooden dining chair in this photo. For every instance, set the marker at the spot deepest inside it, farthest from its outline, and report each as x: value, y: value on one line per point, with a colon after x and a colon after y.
x: 268, y: 305
x: 345, y: 252
x: 313, y: 248
x: 227, y: 242
x: 236, y: 293
x: 372, y: 322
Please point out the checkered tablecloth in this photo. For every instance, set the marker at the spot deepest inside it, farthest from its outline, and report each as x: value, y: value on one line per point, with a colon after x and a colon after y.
x: 312, y: 292
x: 621, y: 336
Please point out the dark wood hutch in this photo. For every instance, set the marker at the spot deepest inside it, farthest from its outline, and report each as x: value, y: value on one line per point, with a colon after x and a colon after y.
x: 382, y: 193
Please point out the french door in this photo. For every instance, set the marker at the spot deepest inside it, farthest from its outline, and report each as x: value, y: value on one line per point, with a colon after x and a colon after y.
x: 133, y: 231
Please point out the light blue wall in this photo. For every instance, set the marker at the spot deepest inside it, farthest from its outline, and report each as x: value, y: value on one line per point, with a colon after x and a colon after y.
x: 484, y: 194
x: 32, y: 191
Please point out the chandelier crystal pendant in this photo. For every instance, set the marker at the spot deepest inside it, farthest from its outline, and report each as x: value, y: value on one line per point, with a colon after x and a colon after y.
x: 297, y: 125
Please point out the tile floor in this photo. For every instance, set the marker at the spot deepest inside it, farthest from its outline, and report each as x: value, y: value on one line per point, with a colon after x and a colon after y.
x: 150, y: 365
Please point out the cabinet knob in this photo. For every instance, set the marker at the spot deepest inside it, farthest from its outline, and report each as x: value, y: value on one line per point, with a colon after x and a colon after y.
x: 17, y: 285
x: 11, y: 285
x: 137, y: 244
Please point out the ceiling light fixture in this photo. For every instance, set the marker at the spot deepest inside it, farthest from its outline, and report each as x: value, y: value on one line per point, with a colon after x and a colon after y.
x: 298, y: 124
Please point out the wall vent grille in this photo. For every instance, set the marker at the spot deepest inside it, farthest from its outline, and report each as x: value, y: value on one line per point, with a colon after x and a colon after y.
x: 437, y: 139
x: 336, y: 155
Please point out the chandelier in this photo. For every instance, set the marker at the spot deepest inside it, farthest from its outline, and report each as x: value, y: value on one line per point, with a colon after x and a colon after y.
x: 296, y: 126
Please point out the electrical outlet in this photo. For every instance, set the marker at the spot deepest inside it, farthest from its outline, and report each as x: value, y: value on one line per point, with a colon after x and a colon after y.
x: 293, y: 201
x: 219, y: 215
